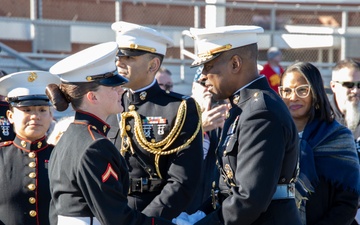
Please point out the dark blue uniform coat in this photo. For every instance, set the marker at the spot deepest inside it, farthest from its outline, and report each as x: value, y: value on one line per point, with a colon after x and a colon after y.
x: 258, y: 150
x: 24, y: 182
x: 88, y: 176
x: 181, y: 171
x: 6, y: 128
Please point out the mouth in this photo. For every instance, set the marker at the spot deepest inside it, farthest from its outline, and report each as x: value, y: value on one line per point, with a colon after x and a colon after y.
x: 34, y: 124
x: 207, y: 94
x: 354, y: 97
x: 34, y: 127
x: 295, y: 107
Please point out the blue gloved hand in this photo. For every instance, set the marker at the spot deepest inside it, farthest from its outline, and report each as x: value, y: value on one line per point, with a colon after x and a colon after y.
x: 182, y: 219
x: 186, y: 219
x: 198, y: 215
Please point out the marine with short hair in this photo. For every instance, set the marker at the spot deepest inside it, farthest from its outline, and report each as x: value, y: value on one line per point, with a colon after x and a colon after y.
x: 258, y: 149
x: 160, y: 133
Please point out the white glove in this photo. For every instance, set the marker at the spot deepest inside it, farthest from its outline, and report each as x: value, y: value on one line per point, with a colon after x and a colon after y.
x: 182, y: 219
x: 185, y: 219
x: 198, y: 215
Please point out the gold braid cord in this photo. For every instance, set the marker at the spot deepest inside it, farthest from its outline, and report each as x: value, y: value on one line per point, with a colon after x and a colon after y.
x: 157, y: 148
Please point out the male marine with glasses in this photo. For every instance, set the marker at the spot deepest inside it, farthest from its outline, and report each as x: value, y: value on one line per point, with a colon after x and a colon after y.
x: 345, y: 84
x: 345, y: 101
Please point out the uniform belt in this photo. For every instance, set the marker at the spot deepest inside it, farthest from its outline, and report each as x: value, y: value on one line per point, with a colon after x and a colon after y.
x: 284, y: 191
x: 146, y: 184
x: 66, y: 220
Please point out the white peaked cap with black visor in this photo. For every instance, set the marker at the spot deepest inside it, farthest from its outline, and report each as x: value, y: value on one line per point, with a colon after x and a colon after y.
x: 211, y: 42
x: 135, y: 40
x: 93, y: 64
x: 27, y: 88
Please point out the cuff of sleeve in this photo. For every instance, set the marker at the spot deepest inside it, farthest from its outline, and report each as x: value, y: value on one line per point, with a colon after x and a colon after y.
x: 160, y: 221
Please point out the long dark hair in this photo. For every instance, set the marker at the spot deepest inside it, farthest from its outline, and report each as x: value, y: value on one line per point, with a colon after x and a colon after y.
x: 321, y: 107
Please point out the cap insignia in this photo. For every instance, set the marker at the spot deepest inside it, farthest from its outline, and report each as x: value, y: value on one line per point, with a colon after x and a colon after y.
x: 143, y: 48
x: 32, y: 77
x: 214, y: 51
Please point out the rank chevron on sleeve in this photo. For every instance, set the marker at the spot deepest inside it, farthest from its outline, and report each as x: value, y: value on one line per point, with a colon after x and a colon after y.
x: 109, y: 172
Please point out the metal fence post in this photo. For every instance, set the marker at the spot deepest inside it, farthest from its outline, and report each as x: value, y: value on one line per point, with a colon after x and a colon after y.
x: 344, y: 26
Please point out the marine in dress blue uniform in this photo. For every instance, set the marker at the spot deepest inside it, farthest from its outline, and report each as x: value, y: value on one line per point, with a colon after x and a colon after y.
x: 257, y: 153
x: 6, y: 128
x: 160, y: 135
x: 24, y: 181
x: 88, y: 177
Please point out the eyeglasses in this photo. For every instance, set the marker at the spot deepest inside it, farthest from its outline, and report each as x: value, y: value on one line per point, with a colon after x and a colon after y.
x: 201, y: 82
x: 349, y: 84
x: 167, y: 87
x: 302, y: 91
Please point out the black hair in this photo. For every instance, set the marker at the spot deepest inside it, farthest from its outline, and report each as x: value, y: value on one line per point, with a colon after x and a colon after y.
x: 66, y: 93
x: 321, y: 107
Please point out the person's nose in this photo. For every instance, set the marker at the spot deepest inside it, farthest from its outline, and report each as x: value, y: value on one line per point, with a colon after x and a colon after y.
x: 35, y: 115
x: 119, y: 62
x: 293, y: 95
x: 355, y: 89
x: 120, y: 90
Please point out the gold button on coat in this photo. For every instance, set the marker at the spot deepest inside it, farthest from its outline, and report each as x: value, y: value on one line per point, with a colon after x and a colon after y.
x: 32, y: 175
x: 32, y: 213
x: 32, y: 165
x: 32, y: 154
x: 32, y: 200
x: 31, y: 187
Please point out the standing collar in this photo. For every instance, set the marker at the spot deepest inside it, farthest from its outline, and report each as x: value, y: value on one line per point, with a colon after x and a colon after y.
x: 235, y: 98
x: 144, y: 88
x: 92, y: 120
x: 144, y: 95
x: 248, y: 84
x: 30, y: 146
